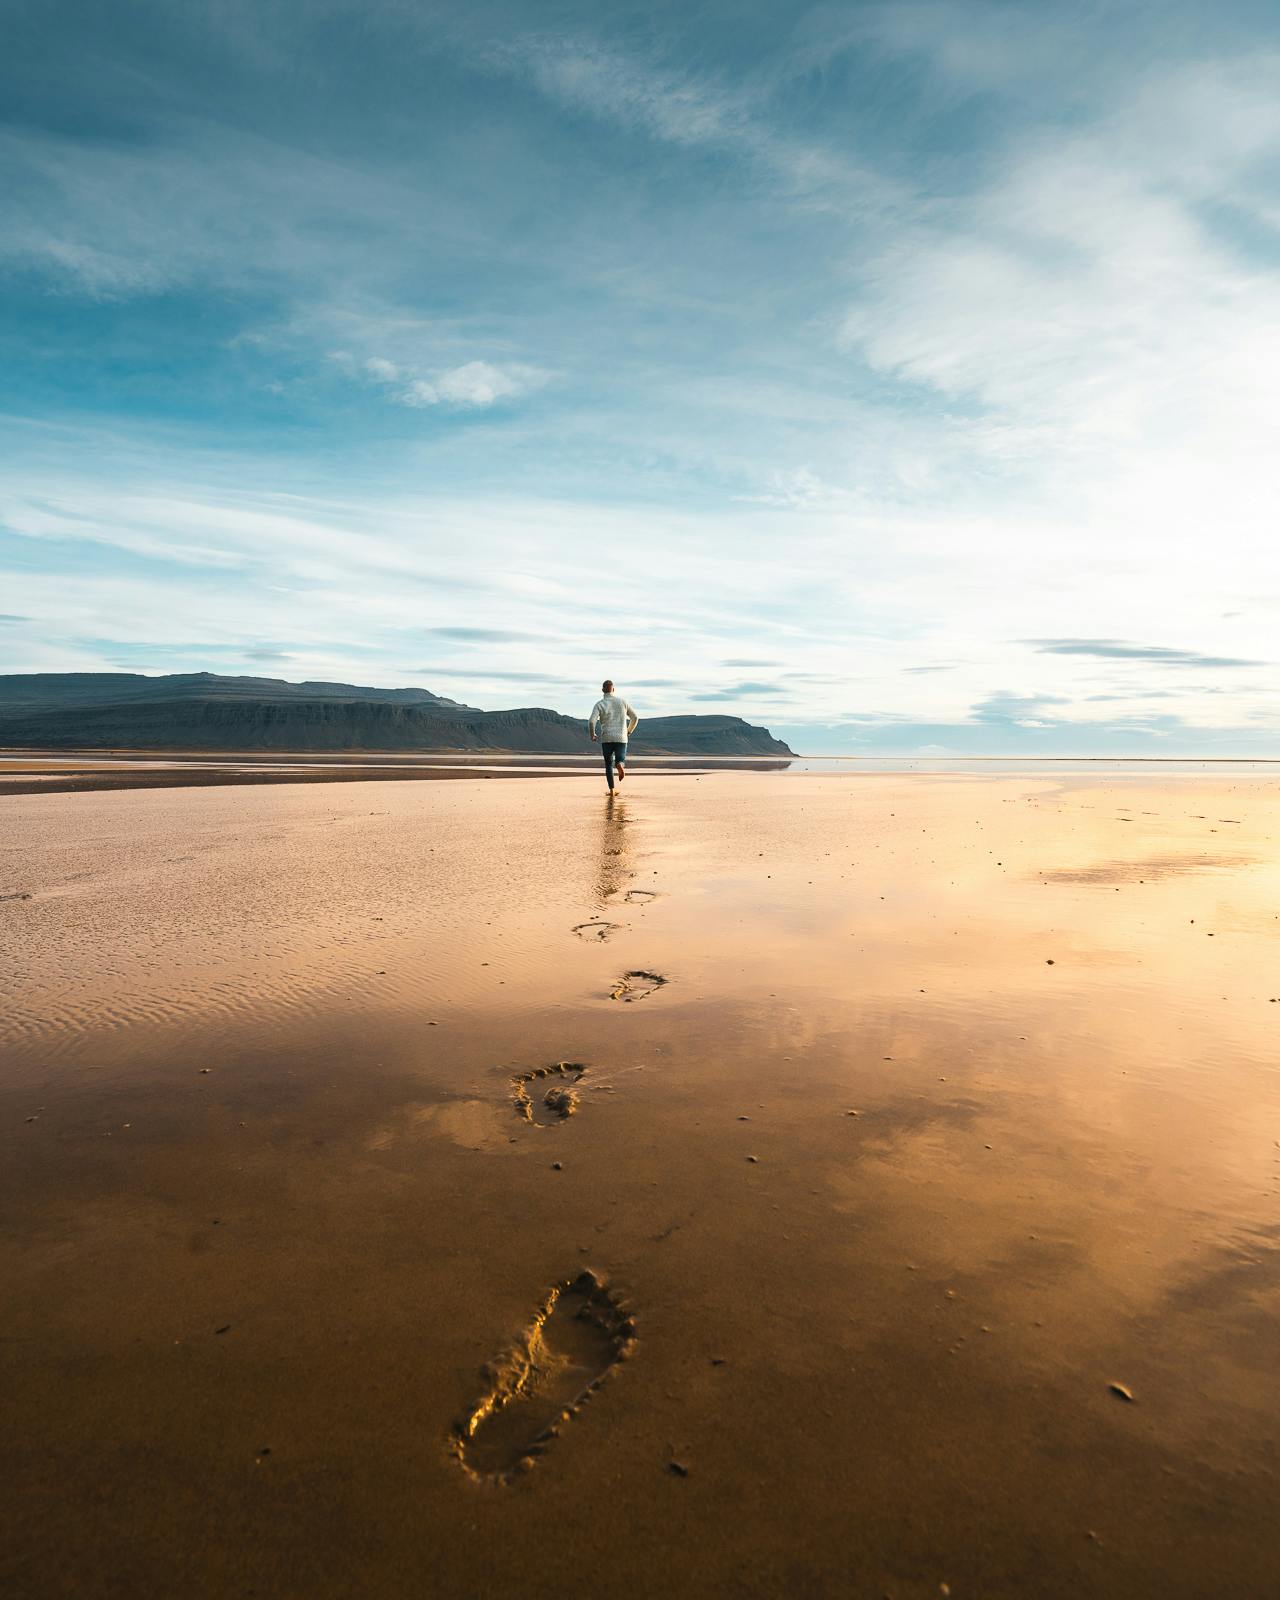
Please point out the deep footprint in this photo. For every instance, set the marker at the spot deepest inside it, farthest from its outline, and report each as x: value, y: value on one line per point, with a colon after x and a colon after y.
x: 636, y: 985
x: 637, y: 897
x: 599, y: 931
x: 576, y: 1336
x: 559, y: 1100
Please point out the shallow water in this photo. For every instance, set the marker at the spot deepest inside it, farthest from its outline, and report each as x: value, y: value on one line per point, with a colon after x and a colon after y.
x: 1003, y: 1049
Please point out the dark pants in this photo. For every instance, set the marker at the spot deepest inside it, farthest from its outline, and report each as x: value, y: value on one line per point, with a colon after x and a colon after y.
x: 613, y: 751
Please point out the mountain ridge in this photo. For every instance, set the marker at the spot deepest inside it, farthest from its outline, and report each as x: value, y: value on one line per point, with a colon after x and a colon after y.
x: 207, y: 711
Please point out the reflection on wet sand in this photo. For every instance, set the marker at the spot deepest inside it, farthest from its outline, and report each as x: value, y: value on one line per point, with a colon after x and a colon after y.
x: 613, y: 871
x: 1148, y: 867
x: 940, y: 1195
x: 94, y: 771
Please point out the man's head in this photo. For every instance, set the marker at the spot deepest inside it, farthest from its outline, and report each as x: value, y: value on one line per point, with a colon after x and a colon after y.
x: 607, y: 685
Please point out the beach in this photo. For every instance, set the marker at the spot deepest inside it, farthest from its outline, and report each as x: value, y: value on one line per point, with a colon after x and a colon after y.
x: 914, y: 1228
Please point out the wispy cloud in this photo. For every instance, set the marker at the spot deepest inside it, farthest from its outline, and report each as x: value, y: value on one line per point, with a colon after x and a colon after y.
x: 482, y: 635
x: 1022, y: 710
x: 1084, y: 297
x: 481, y: 675
x: 472, y: 386
x: 741, y: 691
x: 201, y: 203
x: 1118, y: 650
x: 669, y: 102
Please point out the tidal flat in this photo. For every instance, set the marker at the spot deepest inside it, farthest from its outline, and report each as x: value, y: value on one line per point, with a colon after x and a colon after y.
x: 757, y: 1185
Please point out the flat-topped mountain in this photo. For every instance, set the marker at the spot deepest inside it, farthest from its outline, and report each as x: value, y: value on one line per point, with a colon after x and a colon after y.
x: 205, y: 711
x: 44, y: 690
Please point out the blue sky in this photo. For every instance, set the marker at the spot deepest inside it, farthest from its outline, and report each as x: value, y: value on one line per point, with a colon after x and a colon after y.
x: 904, y: 377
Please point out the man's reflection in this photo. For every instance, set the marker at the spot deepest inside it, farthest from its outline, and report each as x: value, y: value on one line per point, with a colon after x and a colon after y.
x: 613, y: 870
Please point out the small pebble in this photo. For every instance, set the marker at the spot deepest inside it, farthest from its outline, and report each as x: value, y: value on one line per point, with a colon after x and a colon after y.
x: 1121, y: 1392
x: 557, y: 1166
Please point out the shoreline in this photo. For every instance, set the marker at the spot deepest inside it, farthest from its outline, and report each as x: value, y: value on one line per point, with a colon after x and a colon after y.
x: 104, y: 770
x: 89, y: 770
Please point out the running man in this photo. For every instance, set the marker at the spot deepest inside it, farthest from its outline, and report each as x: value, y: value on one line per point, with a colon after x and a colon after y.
x: 616, y: 722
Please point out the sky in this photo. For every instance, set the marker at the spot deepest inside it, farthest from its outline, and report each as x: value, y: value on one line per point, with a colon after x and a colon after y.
x: 903, y: 377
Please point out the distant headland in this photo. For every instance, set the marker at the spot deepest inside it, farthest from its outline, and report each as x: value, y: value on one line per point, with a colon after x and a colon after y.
x: 208, y: 711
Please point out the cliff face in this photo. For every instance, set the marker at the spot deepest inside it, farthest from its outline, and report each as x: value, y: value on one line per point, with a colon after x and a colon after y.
x: 201, y: 711
x: 246, y: 724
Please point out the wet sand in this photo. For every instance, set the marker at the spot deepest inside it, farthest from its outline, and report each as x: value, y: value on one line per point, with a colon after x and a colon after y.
x: 921, y: 1228
x: 94, y: 771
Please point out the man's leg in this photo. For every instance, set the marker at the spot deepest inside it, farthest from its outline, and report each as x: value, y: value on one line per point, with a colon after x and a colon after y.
x: 620, y: 760
x: 607, y: 751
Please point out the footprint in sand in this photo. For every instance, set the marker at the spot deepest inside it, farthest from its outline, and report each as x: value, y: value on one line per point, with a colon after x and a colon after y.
x: 599, y: 931
x: 636, y: 985
x: 545, y: 1103
x: 577, y: 1334
x: 637, y: 897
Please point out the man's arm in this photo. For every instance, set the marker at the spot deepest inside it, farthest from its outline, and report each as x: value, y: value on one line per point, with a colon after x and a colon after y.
x: 593, y: 721
x: 633, y: 721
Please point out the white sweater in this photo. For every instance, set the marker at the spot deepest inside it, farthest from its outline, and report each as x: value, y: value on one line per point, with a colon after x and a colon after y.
x: 614, y: 718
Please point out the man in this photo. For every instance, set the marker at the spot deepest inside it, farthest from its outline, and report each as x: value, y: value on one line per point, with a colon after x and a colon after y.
x: 616, y: 722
